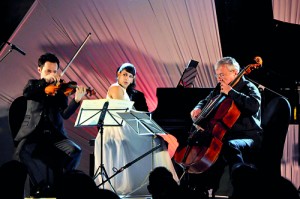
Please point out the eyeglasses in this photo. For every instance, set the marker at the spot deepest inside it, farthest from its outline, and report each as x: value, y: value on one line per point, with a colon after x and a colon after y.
x: 221, y: 75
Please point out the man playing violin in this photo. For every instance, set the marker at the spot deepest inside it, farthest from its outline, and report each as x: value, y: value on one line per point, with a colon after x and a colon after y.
x: 43, y: 144
x: 244, y: 137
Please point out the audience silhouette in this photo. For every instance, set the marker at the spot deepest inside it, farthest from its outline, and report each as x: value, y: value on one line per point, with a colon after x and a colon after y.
x: 13, y: 175
x: 251, y: 184
x: 107, y: 194
x: 278, y: 187
x: 162, y: 185
x: 77, y: 184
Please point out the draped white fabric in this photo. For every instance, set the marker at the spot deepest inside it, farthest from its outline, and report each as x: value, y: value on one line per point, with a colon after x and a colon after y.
x: 287, y: 11
x: 158, y: 36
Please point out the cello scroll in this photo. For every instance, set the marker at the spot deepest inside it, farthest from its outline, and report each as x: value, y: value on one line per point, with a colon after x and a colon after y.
x: 247, y: 70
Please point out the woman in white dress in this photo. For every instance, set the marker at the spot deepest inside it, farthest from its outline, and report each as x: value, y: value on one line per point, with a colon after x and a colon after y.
x: 123, y: 147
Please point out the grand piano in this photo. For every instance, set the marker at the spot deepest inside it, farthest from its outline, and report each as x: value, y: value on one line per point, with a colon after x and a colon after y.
x: 175, y: 119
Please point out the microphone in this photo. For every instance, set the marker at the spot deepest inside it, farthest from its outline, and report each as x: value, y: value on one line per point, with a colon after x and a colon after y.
x: 14, y: 47
x: 102, y: 116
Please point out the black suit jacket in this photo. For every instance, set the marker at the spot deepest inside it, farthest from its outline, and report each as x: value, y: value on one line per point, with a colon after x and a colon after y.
x: 54, y: 108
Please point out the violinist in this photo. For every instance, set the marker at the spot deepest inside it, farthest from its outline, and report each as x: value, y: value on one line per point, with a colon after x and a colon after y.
x: 43, y: 144
x: 244, y: 137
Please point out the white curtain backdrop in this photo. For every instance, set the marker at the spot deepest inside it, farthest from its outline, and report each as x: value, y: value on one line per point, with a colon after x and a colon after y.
x: 158, y: 37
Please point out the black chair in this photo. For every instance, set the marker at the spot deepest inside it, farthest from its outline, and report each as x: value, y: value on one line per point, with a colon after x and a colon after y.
x: 265, y: 179
x: 275, y: 122
x: 16, y: 115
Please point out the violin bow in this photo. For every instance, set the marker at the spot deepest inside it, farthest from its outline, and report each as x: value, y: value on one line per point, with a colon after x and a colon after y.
x: 65, y: 69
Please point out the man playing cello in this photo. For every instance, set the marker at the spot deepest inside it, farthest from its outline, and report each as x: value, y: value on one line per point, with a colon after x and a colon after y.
x: 244, y: 136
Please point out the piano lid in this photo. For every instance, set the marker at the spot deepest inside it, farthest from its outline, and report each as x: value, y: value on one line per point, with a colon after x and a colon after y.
x: 178, y: 102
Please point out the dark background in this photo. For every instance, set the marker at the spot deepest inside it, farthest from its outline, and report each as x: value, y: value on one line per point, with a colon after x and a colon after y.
x: 12, y: 12
x: 247, y: 29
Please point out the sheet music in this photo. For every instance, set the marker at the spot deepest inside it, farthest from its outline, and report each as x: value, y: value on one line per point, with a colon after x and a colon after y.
x: 90, y: 111
x: 188, y: 75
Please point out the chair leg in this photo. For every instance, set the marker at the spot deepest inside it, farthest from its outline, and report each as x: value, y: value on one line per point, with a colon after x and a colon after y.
x: 27, y: 187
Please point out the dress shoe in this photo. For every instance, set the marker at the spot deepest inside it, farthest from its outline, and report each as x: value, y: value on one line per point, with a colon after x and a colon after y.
x: 42, y: 191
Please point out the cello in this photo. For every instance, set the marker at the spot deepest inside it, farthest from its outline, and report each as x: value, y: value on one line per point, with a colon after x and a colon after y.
x: 217, y: 117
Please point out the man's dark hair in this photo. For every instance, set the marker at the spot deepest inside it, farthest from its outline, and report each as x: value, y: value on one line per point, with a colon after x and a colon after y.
x: 47, y: 57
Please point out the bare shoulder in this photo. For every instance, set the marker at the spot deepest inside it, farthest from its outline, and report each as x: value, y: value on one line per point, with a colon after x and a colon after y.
x: 115, y: 88
x: 116, y: 92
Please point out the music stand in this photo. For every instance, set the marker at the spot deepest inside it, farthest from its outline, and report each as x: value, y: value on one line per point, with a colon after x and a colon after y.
x: 90, y: 110
x: 188, y: 75
x: 141, y: 123
x: 91, y: 115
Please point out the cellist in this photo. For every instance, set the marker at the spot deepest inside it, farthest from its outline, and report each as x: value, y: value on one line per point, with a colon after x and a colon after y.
x: 245, y: 136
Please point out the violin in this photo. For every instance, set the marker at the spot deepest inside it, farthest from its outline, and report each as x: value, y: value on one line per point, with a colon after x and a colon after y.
x: 67, y: 88
x: 70, y: 87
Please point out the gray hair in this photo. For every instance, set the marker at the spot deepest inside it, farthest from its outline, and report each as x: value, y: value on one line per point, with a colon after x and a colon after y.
x: 229, y: 62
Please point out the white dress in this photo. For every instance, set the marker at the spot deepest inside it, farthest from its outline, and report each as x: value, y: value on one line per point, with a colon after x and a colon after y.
x: 124, y: 151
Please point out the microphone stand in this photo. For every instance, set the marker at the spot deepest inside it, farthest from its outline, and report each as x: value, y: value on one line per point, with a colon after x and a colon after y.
x: 9, y: 51
x: 262, y: 88
x: 130, y: 163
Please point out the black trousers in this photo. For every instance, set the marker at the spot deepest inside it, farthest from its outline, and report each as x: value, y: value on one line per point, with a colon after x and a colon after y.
x: 47, y: 155
x: 237, y: 151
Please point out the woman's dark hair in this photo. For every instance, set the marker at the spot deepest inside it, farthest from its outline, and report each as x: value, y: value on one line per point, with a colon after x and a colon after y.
x: 47, y: 57
x: 128, y: 67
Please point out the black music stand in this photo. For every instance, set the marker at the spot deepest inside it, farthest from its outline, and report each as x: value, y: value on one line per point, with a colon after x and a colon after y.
x: 142, y: 124
x: 130, y: 163
x: 188, y: 75
x: 91, y: 115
